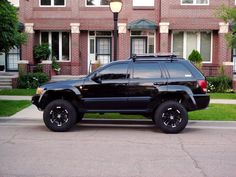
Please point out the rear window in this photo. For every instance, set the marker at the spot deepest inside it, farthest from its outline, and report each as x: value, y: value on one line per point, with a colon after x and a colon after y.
x: 178, y: 70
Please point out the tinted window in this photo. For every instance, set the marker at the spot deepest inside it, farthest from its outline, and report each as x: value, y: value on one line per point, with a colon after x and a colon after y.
x: 116, y: 71
x: 178, y: 70
x: 146, y: 70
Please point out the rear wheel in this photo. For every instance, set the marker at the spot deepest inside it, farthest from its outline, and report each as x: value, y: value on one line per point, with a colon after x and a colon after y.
x: 171, y: 117
x: 59, y: 115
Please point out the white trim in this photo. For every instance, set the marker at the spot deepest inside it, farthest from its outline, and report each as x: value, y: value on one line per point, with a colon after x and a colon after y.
x: 23, y: 62
x: 75, y: 27
x: 164, y: 27
x: 228, y: 63
x: 194, y: 3
x: 60, y: 46
x: 29, y: 28
x: 46, y: 61
x: 52, y: 4
x: 223, y: 27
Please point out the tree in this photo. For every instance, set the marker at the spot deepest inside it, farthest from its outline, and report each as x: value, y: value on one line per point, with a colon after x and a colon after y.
x: 228, y: 14
x: 10, y: 36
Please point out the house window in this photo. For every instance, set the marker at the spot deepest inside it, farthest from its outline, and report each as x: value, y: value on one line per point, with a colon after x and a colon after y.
x: 142, y: 42
x: 234, y: 60
x: 143, y: 3
x: 97, y: 3
x: 59, y: 43
x: 52, y: 3
x: 183, y: 43
x: 195, y: 2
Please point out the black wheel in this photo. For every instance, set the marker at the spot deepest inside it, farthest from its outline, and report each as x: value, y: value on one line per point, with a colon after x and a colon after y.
x: 59, y: 115
x: 80, y: 116
x: 171, y: 117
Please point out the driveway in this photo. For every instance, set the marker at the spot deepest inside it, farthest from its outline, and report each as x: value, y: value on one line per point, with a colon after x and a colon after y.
x: 106, y: 149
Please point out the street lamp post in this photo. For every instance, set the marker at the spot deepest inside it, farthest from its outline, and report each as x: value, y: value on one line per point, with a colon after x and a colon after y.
x: 115, y: 7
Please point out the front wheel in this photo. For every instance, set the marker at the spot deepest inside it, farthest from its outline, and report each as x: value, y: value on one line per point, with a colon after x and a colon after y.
x: 59, y: 115
x: 171, y: 117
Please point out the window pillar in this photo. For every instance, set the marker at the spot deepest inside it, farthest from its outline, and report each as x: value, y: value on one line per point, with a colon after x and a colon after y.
x: 124, y: 38
x: 27, y: 48
x: 164, y: 37
x: 224, y: 52
x: 75, y: 34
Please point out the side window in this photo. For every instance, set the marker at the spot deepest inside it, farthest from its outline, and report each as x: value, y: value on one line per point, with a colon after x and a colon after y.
x: 146, y: 70
x: 116, y: 71
x: 178, y: 70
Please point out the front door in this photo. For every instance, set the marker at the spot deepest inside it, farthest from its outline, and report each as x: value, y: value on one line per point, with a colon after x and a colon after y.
x: 99, y: 46
x: 107, y: 89
x: 12, y: 59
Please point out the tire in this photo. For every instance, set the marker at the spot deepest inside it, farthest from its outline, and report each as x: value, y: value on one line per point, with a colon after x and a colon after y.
x: 80, y: 116
x: 59, y: 116
x: 171, y: 117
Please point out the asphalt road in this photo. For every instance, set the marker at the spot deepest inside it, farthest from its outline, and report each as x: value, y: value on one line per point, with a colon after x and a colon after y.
x: 29, y: 149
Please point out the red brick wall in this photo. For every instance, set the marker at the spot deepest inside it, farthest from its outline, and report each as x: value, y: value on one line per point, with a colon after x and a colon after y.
x: 100, y: 18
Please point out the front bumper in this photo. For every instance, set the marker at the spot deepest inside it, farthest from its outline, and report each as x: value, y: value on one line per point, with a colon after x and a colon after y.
x: 35, y: 100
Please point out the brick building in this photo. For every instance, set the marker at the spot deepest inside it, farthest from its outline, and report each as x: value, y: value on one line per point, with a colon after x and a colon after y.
x: 80, y: 32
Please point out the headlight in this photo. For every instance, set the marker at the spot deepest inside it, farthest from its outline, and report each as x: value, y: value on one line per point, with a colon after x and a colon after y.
x: 40, y: 90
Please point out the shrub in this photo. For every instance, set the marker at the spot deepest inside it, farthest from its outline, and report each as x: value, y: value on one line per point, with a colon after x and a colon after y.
x: 42, y: 51
x: 39, y: 68
x: 219, y: 84
x: 32, y: 80
x: 195, y: 57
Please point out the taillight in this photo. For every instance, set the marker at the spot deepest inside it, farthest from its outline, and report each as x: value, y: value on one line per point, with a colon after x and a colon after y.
x: 203, y: 85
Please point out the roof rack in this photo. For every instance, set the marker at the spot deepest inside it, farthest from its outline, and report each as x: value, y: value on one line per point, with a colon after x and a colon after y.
x: 154, y: 55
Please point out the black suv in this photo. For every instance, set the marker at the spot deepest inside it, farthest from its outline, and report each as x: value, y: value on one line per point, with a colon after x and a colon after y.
x: 161, y: 87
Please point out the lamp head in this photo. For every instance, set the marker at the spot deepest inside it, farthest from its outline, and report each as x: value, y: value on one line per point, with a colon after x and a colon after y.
x: 116, y: 6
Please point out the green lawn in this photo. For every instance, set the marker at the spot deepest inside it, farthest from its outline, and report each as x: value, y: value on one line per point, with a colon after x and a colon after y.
x: 214, y: 112
x: 222, y: 95
x: 18, y: 92
x: 8, y: 108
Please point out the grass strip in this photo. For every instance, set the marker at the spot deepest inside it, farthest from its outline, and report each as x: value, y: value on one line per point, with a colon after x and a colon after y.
x: 223, y: 96
x: 18, y: 92
x: 217, y: 112
x: 9, y: 107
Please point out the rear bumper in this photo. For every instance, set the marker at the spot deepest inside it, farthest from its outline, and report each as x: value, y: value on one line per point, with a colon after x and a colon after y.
x: 202, y: 101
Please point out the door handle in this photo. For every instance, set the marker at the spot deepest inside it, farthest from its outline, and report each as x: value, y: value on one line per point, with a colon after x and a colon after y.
x: 159, y: 83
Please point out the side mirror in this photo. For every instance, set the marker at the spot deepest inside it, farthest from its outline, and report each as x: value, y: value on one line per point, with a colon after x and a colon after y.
x: 96, y: 78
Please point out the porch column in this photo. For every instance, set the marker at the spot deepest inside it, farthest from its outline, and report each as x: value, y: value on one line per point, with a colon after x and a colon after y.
x: 27, y: 49
x: 164, y: 37
x: 224, y: 53
x: 123, y: 41
x: 75, y: 34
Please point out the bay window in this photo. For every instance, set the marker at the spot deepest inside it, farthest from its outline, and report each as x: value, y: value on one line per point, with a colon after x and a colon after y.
x: 183, y: 43
x: 59, y: 43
